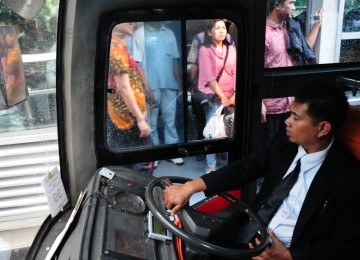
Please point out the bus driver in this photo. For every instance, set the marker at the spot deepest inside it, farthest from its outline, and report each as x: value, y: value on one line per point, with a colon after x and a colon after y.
x: 319, y: 219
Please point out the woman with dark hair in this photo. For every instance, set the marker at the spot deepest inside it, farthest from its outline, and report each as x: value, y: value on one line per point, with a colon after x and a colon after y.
x: 217, y: 72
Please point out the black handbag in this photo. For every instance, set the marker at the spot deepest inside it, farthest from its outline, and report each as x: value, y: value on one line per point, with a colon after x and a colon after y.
x: 202, y: 98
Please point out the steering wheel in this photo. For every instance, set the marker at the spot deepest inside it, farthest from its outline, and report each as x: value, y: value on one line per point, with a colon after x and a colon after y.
x: 197, y: 242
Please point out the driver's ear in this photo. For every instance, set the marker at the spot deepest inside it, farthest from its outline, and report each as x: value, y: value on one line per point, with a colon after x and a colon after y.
x: 324, y: 128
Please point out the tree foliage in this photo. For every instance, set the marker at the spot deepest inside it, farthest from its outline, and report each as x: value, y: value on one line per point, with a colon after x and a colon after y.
x: 301, y: 3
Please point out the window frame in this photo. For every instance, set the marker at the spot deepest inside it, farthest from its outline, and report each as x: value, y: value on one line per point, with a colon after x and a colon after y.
x: 107, y: 156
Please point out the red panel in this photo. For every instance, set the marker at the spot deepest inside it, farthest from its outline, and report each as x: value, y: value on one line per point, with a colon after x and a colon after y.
x: 216, y: 203
x: 350, y: 131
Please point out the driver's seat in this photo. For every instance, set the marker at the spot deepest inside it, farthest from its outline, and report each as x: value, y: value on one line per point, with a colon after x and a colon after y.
x: 349, y: 133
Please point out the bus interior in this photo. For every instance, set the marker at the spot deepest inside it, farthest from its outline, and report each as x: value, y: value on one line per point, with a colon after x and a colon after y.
x: 70, y: 190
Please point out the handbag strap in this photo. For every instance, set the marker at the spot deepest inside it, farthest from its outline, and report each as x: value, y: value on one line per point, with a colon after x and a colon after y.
x: 222, y: 69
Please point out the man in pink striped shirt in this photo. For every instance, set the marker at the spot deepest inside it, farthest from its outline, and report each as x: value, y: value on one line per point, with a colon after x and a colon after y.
x: 274, y: 110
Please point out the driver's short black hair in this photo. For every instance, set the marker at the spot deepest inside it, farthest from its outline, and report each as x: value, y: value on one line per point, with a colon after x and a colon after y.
x: 326, y: 101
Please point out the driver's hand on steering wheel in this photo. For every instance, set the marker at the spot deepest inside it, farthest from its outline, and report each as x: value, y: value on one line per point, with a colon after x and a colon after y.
x: 175, y: 197
x: 273, y: 252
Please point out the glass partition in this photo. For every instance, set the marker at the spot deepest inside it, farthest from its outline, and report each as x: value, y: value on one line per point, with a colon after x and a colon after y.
x: 164, y: 85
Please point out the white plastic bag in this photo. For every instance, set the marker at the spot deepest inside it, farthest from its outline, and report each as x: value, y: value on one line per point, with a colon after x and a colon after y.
x: 215, y: 127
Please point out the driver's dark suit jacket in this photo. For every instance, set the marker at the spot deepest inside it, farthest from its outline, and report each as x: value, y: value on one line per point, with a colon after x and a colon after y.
x: 328, y: 226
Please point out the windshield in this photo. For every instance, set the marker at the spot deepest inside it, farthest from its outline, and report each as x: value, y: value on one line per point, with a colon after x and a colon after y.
x: 28, y: 123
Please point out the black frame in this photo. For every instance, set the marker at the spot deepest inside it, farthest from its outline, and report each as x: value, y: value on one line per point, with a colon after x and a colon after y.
x: 239, y: 16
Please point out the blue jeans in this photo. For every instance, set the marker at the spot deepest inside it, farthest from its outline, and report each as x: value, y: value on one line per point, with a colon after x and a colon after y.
x: 209, y: 111
x: 166, y: 98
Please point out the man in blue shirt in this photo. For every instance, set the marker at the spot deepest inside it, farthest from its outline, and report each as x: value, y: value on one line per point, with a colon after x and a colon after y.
x: 155, y: 48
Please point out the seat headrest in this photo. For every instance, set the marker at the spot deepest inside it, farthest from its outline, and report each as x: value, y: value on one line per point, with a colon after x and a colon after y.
x: 349, y: 133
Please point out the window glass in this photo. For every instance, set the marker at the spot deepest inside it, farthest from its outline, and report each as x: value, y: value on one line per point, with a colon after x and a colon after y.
x: 35, y: 53
x: 351, y: 21
x: 152, y: 99
x: 144, y: 103
x: 349, y: 51
x: 319, y: 32
x: 200, y: 109
x: 350, y: 39
x: 28, y: 124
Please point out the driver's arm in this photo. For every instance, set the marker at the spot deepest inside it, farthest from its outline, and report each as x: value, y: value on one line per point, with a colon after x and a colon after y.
x: 230, y: 177
x: 176, y: 196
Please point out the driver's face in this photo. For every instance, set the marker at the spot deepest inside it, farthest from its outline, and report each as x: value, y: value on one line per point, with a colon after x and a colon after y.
x: 300, y: 128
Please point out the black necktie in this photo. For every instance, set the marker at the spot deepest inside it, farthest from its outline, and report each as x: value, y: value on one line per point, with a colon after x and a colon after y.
x: 271, y: 205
